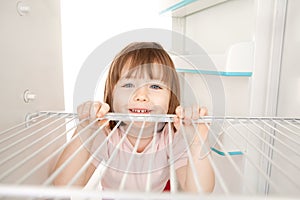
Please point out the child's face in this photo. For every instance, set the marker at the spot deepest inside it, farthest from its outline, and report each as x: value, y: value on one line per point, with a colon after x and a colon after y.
x: 141, y: 95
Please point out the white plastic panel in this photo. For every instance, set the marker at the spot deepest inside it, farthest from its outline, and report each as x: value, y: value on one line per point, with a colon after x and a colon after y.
x: 289, y: 89
x: 30, y: 58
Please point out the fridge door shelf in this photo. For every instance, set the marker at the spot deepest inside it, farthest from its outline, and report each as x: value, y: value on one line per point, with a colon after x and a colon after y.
x: 236, y: 61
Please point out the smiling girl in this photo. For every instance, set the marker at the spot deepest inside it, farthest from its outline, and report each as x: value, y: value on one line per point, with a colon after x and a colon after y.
x: 141, y: 80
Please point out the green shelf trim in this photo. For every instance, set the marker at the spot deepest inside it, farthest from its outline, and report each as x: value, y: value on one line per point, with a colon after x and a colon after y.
x: 177, y: 6
x: 231, y: 153
x: 217, y: 73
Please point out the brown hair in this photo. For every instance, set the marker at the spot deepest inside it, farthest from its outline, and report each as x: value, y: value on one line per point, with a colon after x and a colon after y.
x: 141, y: 57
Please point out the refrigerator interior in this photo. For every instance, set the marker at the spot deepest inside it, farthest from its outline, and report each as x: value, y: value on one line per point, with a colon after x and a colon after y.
x: 254, y: 146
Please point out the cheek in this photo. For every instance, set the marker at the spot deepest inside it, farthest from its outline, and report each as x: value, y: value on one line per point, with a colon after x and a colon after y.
x: 120, y: 99
x: 164, y: 100
x: 167, y: 104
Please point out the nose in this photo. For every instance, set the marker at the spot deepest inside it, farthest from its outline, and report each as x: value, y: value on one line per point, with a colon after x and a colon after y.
x: 141, y: 94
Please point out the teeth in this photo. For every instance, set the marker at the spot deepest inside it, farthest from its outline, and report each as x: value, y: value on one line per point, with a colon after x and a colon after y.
x: 139, y: 111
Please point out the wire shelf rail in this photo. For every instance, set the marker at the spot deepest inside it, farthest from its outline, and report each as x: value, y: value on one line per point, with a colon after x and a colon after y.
x: 257, y: 156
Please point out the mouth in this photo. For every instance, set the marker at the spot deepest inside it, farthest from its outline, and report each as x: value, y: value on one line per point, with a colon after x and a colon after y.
x: 139, y: 111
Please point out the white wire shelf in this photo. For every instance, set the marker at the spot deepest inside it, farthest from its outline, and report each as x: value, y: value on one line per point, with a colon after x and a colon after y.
x: 252, y: 156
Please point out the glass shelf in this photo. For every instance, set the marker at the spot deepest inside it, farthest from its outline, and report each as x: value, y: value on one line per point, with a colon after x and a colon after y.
x: 182, y: 8
x: 177, y: 5
x: 216, y: 73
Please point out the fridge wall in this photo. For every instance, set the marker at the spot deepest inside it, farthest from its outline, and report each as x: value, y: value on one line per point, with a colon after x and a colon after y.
x: 31, y: 59
x: 271, y: 86
x: 289, y: 87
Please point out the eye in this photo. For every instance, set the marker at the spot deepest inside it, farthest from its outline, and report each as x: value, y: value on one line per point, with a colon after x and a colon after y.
x: 155, y: 86
x: 128, y: 85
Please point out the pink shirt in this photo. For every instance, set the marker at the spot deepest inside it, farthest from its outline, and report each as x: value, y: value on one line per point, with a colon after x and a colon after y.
x: 158, y: 158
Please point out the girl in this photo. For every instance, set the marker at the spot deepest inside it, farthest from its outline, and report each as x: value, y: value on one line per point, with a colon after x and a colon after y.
x: 141, y: 80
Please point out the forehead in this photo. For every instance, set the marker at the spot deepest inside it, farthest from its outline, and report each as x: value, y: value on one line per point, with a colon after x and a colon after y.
x: 144, y: 71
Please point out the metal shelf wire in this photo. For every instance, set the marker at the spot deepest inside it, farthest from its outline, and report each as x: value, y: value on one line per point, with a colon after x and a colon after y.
x: 257, y: 156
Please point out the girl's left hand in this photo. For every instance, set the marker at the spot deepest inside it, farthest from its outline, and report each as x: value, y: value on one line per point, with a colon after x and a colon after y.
x: 187, y: 115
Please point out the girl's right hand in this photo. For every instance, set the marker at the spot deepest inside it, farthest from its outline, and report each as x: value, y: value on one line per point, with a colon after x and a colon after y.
x: 91, y: 110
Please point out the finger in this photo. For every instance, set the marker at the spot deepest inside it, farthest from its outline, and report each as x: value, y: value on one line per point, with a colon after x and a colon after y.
x: 203, y: 111
x: 85, y: 110
x: 179, y: 112
x: 195, y: 112
x: 186, y: 115
x: 93, y: 109
x: 101, y: 122
x: 176, y: 119
x: 188, y: 112
x: 103, y: 110
x: 176, y: 122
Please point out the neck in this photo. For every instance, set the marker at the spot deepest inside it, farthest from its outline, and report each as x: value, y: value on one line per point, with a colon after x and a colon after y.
x: 145, y: 137
x: 143, y: 142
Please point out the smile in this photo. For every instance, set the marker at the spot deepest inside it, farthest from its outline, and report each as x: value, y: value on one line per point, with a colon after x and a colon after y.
x: 135, y: 110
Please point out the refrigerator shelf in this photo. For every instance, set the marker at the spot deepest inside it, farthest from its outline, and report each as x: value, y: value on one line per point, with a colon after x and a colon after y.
x: 250, y: 156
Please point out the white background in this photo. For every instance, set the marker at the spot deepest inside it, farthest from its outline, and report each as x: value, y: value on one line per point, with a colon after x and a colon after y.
x: 86, y: 24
